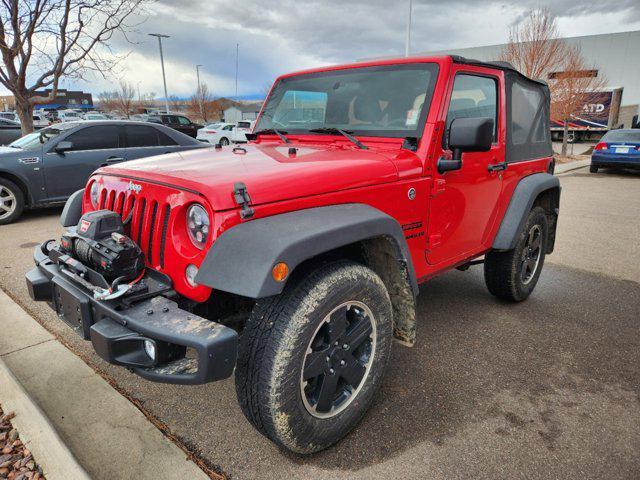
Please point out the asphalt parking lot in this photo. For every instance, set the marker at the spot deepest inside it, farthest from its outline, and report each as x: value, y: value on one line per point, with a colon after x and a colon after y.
x: 549, y: 388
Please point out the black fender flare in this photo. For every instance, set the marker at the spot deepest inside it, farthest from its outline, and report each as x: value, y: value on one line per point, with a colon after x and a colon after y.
x: 520, y: 204
x: 241, y: 260
x: 72, y: 210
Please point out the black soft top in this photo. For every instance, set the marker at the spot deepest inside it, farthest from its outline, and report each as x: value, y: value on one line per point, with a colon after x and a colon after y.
x: 528, y: 108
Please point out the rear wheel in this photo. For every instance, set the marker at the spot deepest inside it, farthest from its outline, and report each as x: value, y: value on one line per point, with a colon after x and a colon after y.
x: 311, y: 359
x: 11, y: 201
x: 512, y: 275
x: 593, y: 168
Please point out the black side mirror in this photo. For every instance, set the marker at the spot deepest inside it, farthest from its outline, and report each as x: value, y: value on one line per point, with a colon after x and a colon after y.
x: 63, y: 146
x: 467, y: 135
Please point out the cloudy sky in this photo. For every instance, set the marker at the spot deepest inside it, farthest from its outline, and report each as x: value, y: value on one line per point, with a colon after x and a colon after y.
x: 276, y: 36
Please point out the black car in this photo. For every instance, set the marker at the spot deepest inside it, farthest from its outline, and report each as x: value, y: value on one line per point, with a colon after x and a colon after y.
x: 47, y: 166
x: 9, y: 131
x: 177, y: 122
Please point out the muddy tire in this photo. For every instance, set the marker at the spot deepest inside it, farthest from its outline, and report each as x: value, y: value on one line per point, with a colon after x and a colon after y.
x: 513, y: 275
x: 11, y: 202
x: 312, y: 358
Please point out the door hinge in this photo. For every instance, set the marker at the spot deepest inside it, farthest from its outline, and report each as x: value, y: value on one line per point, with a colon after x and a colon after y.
x: 438, y: 187
x: 242, y: 198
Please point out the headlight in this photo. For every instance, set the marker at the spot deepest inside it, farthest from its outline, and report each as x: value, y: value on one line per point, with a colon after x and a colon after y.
x: 198, y: 225
x: 94, y: 194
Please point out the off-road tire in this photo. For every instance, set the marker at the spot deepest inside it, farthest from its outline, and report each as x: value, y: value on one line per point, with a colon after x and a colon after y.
x: 17, y: 202
x: 274, y: 346
x: 593, y: 169
x: 224, y: 141
x: 503, y: 270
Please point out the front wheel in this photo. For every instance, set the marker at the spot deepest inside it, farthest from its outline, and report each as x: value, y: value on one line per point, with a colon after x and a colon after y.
x: 512, y: 275
x: 11, y: 201
x: 224, y: 141
x: 311, y: 359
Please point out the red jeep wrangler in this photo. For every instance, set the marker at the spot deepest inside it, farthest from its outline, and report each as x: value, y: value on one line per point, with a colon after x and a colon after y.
x: 296, y: 259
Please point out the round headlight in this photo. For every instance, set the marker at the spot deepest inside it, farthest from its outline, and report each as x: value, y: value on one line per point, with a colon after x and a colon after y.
x: 198, y: 225
x: 94, y: 194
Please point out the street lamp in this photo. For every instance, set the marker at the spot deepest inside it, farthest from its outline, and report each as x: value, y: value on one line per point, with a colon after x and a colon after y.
x: 164, y: 78
x: 199, y: 92
x: 407, y: 44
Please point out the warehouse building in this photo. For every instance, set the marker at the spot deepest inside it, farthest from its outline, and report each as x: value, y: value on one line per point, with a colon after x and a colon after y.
x: 612, y: 55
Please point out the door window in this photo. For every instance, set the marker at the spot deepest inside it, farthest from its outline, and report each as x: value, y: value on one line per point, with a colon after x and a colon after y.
x: 228, y: 127
x: 96, y: 138
x: 144, y: 136
x: 474, y: 96
x: 184, y: 121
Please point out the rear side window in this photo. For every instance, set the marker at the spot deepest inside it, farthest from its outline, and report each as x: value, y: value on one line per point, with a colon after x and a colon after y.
x: 144, y: 136
x: 527, y: 122
x: 183, y: 121
x: 96, y: 138
x: 474, y: 96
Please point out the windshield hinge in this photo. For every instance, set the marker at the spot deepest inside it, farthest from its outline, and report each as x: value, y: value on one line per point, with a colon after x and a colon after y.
x: 242, y: 198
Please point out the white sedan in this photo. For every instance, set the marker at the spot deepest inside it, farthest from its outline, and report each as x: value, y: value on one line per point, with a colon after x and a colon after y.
x: 222, y: 133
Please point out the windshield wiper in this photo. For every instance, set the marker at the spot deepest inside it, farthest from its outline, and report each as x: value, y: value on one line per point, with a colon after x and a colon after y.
x: 330, y: 130
x: 270, y: 131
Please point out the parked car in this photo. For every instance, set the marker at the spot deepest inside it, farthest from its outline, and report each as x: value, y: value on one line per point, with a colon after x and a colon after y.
x: 94, y: 116
x: 220, y: 132
x: 295, y: 259
x: 177, y: 122
x: 9, y: 131
x: 47, y: 166
x: 68, y: 116
x: 40, y: 120
x: 242, y: 128
x: 13, y: 116
x: 617, y: 148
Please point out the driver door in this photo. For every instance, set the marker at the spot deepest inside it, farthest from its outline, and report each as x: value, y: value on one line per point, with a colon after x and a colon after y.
x: 93, y: 147
x: 464, y: 203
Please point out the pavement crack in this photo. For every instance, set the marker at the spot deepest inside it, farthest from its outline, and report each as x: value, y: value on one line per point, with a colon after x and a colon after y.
x: 24, y: 348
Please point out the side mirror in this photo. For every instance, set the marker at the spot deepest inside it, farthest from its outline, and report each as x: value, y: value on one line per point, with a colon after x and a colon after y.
x: 467, y: 135
x: 63, y: 146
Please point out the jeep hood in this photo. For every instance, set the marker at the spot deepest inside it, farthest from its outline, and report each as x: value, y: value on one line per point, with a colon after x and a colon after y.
x: 268, y: 171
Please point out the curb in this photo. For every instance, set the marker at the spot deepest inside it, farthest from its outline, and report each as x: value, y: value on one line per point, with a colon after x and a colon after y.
x: 568, y: 167
x: 36, y: 431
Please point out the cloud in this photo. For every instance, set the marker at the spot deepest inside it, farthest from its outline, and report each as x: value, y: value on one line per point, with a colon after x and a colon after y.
x: 276, y: 36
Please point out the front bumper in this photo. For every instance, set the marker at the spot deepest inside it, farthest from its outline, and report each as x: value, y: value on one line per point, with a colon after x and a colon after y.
x: 189, y: 349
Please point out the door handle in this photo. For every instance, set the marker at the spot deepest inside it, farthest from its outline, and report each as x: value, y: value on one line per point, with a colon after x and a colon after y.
x: 497, y: 167
x: 111, y: 161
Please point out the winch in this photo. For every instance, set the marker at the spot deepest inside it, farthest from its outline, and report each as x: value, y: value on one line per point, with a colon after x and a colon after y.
x: 99, y: 242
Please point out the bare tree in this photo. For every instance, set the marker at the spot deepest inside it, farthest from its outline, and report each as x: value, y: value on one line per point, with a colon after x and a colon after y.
x: 124, y: 98
x: 44, y: 41
x: 536, y: 49
x: 200, y: 103
x: 107, y: 100
x: 571, y: 89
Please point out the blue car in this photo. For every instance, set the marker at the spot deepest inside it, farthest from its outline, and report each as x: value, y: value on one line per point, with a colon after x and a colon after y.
x: 618, y: 148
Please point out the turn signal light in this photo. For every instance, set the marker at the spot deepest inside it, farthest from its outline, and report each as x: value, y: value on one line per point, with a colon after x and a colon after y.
x: 600, y: 146
x: 280, y: 271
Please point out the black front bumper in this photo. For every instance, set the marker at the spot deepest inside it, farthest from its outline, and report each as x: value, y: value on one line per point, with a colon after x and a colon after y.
x: 189, y: 349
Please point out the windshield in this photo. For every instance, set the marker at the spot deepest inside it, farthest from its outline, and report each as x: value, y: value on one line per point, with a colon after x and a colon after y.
x: 622, y: 136
x: 35, y: 140
x: 382, y: 101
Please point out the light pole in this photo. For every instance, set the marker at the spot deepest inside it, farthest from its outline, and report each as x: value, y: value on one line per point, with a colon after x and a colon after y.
x: 164, y: 78
x: 139, y: 97
x: 407, y: 44
x: 200, y: 93
x: 237, y: 49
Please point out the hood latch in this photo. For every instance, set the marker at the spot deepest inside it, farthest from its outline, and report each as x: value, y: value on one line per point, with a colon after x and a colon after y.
x: 242, y: 198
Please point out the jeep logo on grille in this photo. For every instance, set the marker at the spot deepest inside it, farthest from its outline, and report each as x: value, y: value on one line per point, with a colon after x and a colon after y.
x: 134, y: 187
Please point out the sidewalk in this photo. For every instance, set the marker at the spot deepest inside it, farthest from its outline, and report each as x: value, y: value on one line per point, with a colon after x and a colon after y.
x: 567, y: 167
x: 107, y: 434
